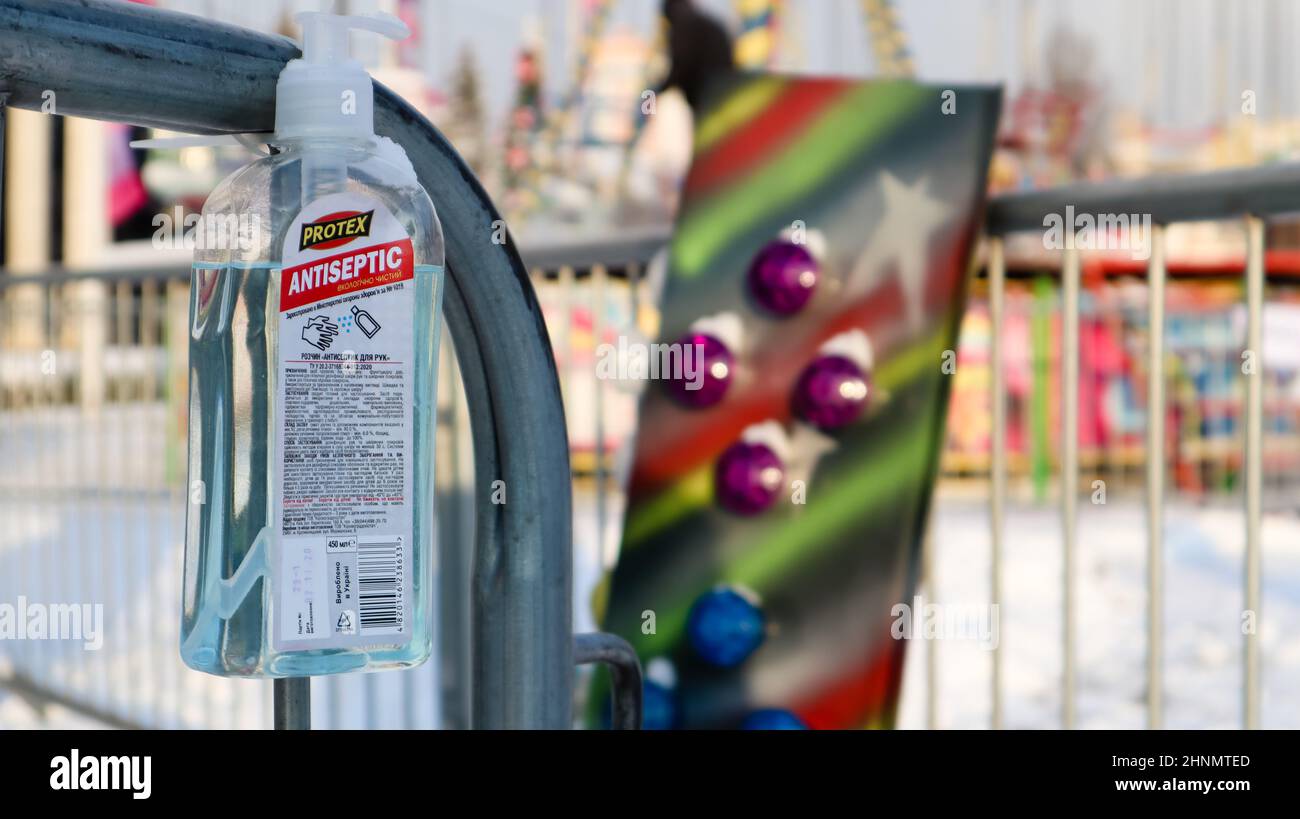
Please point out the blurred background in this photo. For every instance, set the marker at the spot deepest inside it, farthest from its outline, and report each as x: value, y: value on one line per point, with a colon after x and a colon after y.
x: 556, y: 106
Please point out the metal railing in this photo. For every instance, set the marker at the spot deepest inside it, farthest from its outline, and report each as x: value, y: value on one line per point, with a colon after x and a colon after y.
x: 107, y: 480
x: 612, y: 270
x: 522, y: 645
x: 1252, y: 195
x: 104, y: 60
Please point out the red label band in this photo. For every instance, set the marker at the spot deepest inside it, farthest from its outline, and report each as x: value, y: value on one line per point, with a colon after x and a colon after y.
x: 350, y: 272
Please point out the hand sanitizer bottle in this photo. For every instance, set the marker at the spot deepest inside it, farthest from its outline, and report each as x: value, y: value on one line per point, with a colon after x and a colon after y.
x: 313, y: 367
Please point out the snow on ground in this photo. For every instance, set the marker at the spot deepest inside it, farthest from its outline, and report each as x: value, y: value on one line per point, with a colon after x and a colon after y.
x: 138, y: 676
x: 1204, y: 552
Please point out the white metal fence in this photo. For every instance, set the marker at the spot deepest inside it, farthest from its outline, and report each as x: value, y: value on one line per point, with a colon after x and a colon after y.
x: 1252, y: 195
x: 93, y: 417
x: 92, y: 424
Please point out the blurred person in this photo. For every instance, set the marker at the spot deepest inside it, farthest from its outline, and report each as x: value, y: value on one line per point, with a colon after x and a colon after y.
x: 700, y: 49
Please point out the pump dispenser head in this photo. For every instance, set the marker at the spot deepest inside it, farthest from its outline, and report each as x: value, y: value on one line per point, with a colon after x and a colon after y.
x: 326, y: 93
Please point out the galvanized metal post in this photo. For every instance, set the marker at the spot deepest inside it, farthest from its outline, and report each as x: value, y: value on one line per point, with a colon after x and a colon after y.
x: 292, y: 704
x: 105, y: 57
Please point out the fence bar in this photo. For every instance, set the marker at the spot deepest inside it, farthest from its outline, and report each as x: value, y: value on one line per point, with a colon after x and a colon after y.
x: 554, y: 249
x: 566, y: 275
x: 1254, y: 462
x: 1155, y: 477
x: 1069, y: 469
x: 1227, y: 194
x: 998, y: 457
x: 41, y: 695
x: 599, y: 302
x: 634, y: 294
x: 929, y: 584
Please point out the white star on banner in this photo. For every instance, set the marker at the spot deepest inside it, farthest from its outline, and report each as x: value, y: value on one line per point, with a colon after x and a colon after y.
x: 909, y: 218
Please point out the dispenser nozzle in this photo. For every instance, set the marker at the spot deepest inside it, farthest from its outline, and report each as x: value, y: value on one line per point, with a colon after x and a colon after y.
x: 325, y: 35
x: 325, y: 92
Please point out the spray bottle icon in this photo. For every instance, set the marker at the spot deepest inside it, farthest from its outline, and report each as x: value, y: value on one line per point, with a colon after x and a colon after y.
x: 365, y: 322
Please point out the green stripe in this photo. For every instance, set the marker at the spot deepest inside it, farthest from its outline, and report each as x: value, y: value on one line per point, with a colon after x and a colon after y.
x: 835, y: 139
x: 693, y: 491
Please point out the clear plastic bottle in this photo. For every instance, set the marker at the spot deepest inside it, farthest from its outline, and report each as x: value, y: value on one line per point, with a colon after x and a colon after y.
x: 310, y: 520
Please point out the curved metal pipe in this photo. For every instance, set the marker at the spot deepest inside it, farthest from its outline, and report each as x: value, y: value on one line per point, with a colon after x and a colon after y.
x: 129, y: 63
x: 624, y: 672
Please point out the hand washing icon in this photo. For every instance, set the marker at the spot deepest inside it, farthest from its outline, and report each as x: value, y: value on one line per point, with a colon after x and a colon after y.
x: 319, y: 332
x: 366, y: 322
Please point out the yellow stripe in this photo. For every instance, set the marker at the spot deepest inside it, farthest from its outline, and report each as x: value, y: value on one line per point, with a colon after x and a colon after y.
x: 736, y: 110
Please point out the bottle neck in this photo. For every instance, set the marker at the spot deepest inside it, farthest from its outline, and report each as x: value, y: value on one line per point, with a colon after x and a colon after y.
x: 297, y: 144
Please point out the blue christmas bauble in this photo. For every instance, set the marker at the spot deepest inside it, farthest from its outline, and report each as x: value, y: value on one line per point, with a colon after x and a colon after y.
x: 773, y: 719
x: 725, y: 627
x: 658, y: 707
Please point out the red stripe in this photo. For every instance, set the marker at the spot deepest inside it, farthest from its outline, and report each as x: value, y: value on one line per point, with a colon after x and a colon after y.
x: 861, y: 696
x: 754, y: 142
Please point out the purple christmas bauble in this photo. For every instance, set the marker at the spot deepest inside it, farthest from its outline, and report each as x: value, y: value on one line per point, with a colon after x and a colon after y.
x: 705, y: 381
x: 783, y: 276
x: 747, y: 478
x: 831, y: 392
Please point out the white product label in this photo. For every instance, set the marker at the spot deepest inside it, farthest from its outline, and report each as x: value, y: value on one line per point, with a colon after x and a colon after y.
x: 344, y: 455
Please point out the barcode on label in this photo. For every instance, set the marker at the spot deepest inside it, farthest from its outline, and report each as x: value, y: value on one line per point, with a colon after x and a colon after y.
x: 379, y: 584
